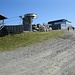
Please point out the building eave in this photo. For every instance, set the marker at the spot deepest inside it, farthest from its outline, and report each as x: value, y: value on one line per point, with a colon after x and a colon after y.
x: 60, y: 20
x: 2, y: 17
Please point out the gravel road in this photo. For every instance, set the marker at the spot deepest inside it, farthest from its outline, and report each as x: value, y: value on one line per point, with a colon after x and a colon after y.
x: 53, y: 57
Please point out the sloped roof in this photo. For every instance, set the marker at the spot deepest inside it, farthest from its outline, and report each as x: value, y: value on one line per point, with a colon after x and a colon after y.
x: 58, y: 21
x: 2, y: 17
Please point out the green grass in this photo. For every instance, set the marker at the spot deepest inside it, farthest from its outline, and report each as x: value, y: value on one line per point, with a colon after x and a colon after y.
x: 21, y: 40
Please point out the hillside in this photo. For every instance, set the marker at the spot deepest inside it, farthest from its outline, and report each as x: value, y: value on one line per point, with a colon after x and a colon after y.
x: 52, y: 57
x: 26, y: 38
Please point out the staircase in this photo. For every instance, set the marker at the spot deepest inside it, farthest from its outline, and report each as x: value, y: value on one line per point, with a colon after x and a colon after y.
x: 2, y: 30
x: 1, y: 27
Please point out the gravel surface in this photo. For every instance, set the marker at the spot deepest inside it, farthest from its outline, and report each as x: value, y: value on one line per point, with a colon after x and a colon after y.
x: 53, y: 57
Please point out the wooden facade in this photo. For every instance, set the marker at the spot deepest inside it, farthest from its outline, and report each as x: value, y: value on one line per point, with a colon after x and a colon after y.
x: 14, y: 29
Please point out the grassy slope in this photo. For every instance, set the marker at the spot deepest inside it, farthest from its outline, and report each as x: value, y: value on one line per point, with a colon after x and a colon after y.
x: 26, y: 38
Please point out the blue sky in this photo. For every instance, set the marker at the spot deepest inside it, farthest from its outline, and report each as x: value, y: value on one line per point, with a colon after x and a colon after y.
x: 46, y: 10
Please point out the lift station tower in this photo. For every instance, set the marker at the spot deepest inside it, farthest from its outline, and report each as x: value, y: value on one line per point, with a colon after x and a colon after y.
x: 27, y: 21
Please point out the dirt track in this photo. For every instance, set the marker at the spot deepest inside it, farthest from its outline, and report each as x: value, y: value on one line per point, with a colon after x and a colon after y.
x: 53, y: 57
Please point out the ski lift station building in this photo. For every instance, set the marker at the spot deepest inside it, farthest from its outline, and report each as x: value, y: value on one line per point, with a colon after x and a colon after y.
x: 59, y: 24
x: 26, y: 24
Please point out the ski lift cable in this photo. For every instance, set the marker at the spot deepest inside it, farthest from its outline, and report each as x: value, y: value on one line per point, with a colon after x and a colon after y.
x: 15, y: 17
x: 12, y: 21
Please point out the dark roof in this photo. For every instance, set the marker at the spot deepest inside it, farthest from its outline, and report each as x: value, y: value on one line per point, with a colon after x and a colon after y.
x: 2, y: 17
x: 61, y: 20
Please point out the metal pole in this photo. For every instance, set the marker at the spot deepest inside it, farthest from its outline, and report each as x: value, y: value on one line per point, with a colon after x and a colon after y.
x: 30, y: 23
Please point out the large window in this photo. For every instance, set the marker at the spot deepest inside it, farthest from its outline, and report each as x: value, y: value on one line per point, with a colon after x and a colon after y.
x: 68, y: 23
x: 64, y: 23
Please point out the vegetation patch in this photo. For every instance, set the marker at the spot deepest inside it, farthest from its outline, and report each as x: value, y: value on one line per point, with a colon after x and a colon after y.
x: 13, y: 41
